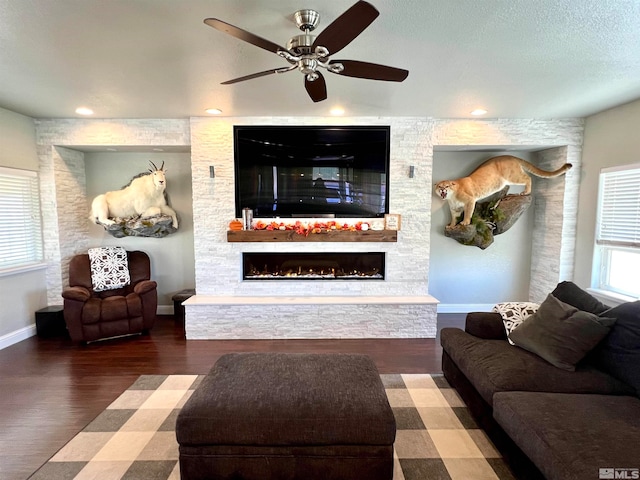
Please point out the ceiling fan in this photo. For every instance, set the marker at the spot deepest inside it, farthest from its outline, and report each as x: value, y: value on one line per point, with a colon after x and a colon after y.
x: 309, y: 53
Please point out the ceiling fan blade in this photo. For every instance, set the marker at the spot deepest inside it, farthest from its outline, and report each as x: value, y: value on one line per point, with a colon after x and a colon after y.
x: 317, y: 89
x: 244, y: 35
x: 259, y: 74
x: 372, y: 71
x: 346, y: 27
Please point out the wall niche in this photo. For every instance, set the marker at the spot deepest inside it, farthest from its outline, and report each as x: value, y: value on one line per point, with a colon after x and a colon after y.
x: 504, y: 271
x: 172, y: 256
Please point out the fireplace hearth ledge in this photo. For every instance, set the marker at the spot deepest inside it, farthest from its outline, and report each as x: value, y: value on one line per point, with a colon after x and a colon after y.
x: 238, y: 317
x: 310, y: 300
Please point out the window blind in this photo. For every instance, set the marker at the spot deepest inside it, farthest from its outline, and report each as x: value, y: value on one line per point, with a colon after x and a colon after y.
x: 619, y: 207
x: 20, y: 223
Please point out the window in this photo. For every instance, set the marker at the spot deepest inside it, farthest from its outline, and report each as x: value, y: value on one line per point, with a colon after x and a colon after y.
x: 20, y: 225
x: 617, y: 255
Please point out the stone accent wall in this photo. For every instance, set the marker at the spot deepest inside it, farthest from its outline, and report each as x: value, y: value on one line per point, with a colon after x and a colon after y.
x: 50, y: 227
x: 63, y: 183
x: 218, y: 263
x: 63, y: 200
x: 113, y: 132
x: 555, y: 201
x: 554, y: 234
x: 71, y: 188
x: 310, y: 321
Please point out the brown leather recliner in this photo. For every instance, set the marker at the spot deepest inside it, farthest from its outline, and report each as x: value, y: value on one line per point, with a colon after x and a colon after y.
x: 95, y: 315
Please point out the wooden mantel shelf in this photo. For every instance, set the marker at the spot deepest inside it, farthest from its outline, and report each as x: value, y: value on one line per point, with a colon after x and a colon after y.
x: 330, y: 236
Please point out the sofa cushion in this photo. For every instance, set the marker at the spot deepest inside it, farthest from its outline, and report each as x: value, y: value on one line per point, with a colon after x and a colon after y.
x: 569, y: 292
x: 560, y: 333
x: 619, y: 353
x: 570, y: 436
x: 514, y: 313
x: 486, y: 325
x: 495, y: 366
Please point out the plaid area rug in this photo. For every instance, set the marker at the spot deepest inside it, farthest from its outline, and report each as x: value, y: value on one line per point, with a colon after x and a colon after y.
x: 134, y: 438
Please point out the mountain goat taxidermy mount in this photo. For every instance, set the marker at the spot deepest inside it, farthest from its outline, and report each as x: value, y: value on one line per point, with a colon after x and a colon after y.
x: 144, y: 196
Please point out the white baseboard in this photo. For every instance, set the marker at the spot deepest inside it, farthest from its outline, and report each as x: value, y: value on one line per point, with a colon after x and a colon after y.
x: 464, y: 307
x: 17, y: 336
x: 164, y: 310
x: 26, y: 332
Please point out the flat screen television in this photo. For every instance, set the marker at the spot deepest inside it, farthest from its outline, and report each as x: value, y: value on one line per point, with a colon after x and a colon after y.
x: 312, y: 171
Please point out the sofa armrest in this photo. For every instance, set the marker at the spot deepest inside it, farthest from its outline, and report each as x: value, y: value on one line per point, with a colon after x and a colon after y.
x: 145, y: 286
x: 79, y: 294
x: 486, y: 325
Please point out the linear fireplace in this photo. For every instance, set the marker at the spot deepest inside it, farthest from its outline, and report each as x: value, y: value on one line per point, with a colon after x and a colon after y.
x: 313, y: 266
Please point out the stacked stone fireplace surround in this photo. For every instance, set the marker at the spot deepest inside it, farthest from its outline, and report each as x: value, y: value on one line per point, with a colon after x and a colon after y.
x: 228, y: 307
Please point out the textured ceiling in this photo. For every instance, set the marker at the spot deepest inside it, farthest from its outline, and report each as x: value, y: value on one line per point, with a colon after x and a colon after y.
x: 157, y: 59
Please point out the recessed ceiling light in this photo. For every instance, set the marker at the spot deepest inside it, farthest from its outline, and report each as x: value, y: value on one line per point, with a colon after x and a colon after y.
x: 213, y: 111
x: 337, y: 111
x: 479, y: 111
x: 84, y: 111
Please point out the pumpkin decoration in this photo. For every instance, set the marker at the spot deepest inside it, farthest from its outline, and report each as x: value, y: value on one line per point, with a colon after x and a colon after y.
x: 235, y: 224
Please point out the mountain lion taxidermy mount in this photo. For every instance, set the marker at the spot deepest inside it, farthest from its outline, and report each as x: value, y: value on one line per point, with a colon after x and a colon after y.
x: 489, y: 178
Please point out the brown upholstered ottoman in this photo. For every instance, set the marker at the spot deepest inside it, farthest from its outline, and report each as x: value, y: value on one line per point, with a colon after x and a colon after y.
x: 260, y: 416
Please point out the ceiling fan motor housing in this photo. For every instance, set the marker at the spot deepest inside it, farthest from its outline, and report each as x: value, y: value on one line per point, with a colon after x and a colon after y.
x: 301, y: 44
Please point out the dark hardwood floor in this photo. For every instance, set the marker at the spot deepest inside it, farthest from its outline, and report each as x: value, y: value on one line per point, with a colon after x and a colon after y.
x: 50, y: 389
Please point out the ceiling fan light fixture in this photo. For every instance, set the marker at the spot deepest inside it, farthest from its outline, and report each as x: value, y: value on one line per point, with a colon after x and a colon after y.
x: 337, y: 111
x: 308, y: 66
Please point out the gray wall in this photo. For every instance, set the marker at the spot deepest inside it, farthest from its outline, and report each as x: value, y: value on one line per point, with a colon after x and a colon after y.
x: 461, y: 274
x: 21, y: 294
x: 172, y: 257
x: 610, y: 139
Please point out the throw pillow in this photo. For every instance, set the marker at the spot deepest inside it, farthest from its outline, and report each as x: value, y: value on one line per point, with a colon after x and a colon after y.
x: 514, y: 313
x: 569, y: 292
x: 619, y: 353
x: 560, y: 333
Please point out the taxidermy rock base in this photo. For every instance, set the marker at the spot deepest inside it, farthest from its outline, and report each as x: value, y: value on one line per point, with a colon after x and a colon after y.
x: 492, y: 216
x: 157, y: 226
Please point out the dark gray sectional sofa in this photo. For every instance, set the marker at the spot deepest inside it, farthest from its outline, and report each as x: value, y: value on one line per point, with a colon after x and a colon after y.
x: 551, y: 422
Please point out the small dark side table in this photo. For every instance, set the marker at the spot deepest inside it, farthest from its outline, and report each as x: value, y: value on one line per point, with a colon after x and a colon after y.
x: 50, y: 322
x: 178, y: 308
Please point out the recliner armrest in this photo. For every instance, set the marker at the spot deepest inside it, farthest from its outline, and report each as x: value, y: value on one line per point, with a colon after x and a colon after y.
x: 144, y: 286
x: 487, y: 325
x: 79, y: 294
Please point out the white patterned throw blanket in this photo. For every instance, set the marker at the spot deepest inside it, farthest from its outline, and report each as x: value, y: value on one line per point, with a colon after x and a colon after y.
x: 109, y: 268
